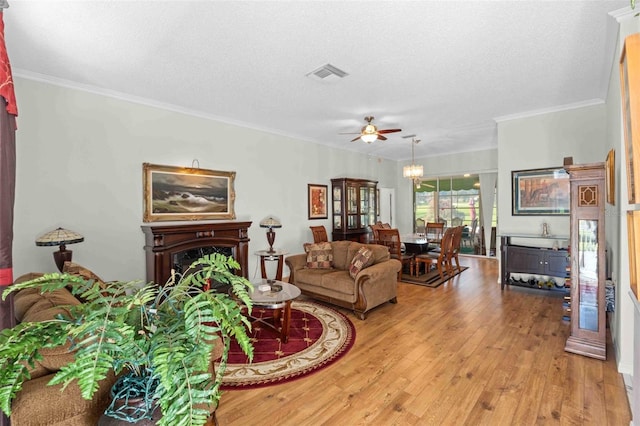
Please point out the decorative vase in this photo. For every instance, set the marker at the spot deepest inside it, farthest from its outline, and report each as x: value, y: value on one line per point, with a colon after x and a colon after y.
x: 132, y: 406
x: 131, y: 401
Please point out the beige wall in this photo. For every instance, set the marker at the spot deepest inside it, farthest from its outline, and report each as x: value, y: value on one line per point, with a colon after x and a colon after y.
x: 444, y: 165
x: 79, y: 166
x: 542, y: 141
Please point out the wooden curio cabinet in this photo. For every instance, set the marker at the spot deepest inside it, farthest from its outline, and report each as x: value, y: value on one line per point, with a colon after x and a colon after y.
x: 354, y: 203
x: 588, y: 317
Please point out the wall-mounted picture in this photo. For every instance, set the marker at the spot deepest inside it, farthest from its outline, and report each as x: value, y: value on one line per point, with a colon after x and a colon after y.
x: 182, y: 193
x: 610, y: 177
x: 317, y: 201
x: 540, y: 192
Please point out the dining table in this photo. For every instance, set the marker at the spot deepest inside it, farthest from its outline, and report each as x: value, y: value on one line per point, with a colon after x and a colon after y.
x: 416, y: 244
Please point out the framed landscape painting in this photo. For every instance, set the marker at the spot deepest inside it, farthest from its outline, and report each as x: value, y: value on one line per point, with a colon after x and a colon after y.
x: 540, y: 192
x: 182, y: 193
x: 317, y: 195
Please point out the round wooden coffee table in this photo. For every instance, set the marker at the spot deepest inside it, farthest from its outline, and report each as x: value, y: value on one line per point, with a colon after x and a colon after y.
x: 278, y: 297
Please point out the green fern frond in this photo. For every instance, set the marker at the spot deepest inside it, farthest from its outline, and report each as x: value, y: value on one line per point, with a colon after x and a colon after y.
x: 11, y: 380
x: 46, y: 283
x: 166, y: 331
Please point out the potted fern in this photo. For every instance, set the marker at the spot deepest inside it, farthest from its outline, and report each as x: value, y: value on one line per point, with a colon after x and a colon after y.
x: 158, y: 337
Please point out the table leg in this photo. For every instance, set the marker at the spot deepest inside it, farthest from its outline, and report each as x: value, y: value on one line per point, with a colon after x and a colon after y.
x: 286, y: 319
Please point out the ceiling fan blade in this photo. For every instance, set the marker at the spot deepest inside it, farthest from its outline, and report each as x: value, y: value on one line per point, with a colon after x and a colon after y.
x: 389, y: 130
x: 380, y: 137
x: 356, y: 139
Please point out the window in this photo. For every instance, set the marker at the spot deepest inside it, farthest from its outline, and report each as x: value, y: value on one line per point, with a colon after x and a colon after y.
x: 454, y: 200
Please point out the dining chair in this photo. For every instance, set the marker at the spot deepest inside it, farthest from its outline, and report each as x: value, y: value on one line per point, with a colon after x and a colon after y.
x: 434, y: 232
x: 456, y: 221
x: 468, y: 239
x: 319, y: 234
x: 420, y: 226
x: 441, y: 260
x: 391, y: 239
x: 454, y: 248
x: 374, y: 231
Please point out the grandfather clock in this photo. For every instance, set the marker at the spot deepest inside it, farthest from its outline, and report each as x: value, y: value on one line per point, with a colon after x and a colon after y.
x: 588, y: 317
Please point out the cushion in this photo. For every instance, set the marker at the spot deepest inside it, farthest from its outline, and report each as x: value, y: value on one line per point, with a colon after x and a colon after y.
x: 32, y: 306
x: 75, y: 269
x: 341, y: 258
x: 319, y: 255
x: 361, y: 260
x: 79, y: 270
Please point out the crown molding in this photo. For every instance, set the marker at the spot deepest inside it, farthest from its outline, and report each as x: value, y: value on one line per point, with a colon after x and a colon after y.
x: 550, y: 110
x: 624, y: 13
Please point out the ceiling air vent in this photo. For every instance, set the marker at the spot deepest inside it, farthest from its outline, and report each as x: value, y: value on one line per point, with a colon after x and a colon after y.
x: 327, y: 72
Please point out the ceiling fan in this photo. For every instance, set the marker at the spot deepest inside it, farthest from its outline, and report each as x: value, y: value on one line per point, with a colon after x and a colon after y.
x: 370, y: 132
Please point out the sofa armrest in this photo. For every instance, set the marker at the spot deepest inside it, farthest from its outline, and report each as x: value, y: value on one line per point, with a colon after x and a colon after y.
x: 295, y: 262
x: 380, y: 270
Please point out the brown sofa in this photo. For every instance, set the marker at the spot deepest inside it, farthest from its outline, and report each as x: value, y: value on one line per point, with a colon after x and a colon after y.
x: 40, y: 404
x: 372, y: 286
x: 37, y: 403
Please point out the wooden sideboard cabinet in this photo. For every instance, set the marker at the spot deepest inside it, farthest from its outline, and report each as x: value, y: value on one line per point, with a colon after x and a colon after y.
x: 354, y: 208
x: 533, y: 260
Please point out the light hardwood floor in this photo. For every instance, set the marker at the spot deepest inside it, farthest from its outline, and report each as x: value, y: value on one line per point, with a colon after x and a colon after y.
x: 464, y: 353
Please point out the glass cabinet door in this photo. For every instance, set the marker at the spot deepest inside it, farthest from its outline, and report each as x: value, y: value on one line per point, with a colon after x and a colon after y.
x: 588, y: 274
x: 352, y: 221
x: 364, y: 207
x: 337, y: 207
x: 372, y: 206
x: 352, y: 199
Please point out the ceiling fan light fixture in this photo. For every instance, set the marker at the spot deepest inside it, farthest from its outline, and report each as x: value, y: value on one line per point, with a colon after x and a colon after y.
x: 369, y: 137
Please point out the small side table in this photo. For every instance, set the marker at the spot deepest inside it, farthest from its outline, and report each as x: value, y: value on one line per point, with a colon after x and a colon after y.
x: 276, y: 255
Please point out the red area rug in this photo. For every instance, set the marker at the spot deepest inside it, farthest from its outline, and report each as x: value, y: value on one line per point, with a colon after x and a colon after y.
x: 319, y: 336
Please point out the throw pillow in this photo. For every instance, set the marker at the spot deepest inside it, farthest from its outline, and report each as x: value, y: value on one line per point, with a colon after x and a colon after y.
x: 319, y: 255
x: 360, y: 261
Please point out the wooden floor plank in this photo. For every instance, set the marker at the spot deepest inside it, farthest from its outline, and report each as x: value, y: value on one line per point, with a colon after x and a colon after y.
x: 463, y: 353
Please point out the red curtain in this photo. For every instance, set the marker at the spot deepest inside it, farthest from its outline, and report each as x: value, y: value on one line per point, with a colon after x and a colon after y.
x: 8, y: 113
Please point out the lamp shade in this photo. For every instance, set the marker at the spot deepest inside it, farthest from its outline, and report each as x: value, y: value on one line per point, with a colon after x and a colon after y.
x: 59, y: 237
x: 270, y: 222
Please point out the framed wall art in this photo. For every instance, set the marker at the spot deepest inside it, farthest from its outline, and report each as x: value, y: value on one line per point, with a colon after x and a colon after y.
x: 182, y: 193
x: 317, y: 196
x: 540, y: 192
x: 610, y: 177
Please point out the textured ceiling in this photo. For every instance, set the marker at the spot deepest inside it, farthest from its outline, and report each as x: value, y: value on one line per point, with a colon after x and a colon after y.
x: 441, y: 70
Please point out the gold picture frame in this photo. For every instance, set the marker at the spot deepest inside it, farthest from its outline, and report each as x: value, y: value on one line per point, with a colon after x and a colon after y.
x: 183, y: 193
x: 610, y: 177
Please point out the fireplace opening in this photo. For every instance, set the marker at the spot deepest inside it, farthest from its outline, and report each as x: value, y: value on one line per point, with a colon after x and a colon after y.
x: 182, y: 260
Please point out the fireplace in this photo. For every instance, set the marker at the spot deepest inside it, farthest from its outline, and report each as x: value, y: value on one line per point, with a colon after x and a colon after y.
x: 176, y: 246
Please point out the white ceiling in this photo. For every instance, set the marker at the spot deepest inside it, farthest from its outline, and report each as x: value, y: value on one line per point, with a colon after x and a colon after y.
x: 442, y: 70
